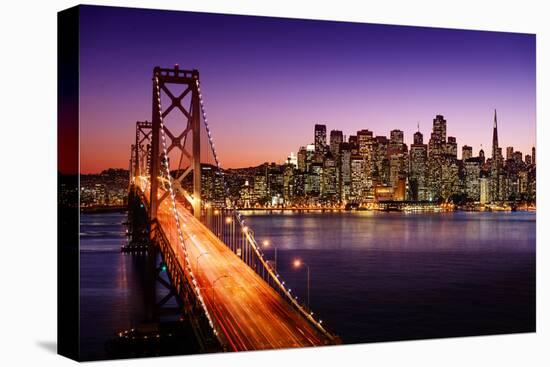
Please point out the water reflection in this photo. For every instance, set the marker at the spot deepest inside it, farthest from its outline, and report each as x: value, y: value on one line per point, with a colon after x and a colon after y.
x: 393, y: 276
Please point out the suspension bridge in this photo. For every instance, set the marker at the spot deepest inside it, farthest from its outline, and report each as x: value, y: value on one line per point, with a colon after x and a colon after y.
x: 222, y: 281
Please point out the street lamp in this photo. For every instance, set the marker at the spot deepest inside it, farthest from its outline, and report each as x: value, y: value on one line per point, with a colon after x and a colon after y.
x: 229, y: 236
x: 197, y: 261
x: 298, y: 264
x: 246, y: 245
x: 266, y: 244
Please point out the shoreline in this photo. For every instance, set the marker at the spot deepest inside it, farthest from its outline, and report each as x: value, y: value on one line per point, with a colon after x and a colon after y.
x: 104, y: 209
x: 123, y: 209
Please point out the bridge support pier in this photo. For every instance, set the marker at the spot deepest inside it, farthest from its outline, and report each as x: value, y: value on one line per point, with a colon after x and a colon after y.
x: 138, y: 225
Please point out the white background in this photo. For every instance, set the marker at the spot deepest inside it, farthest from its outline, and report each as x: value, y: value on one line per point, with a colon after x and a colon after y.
x: 28, y: 186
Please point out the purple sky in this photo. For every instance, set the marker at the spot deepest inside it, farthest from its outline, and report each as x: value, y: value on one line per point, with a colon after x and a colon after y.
x: 267, y: 81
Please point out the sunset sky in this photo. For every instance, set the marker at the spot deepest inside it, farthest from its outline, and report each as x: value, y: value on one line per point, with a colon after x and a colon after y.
x: 267, y: 81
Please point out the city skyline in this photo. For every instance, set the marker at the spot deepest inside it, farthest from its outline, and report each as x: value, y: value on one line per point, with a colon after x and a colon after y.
x: 283, y: 156
x: 348, y: 76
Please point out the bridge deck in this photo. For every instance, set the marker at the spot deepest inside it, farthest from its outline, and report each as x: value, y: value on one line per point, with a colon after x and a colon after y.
x: 246, y: 310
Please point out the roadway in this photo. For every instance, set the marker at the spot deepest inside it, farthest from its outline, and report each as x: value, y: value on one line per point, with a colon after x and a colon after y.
x: 247, y: 312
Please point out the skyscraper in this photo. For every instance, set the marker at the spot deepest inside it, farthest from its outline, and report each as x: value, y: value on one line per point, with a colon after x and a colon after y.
x: 260, y: 185
x: 440, y: 127
x: 435, y: 156
x: 396, y: 137
x: 292, y: 159
x: 366, y: 150
x: 310, y: 152
x: 418, y: 168
x: 472, y: 186
x: 382, y: 160
x: 336, y: 138
x: 345, y: 172
x: 495, y: 164
x: 418, y: 138
x: 466, y: 152
x: 509, y: 153
x: 484, y: 190
x: 288, y: 183
x: 329, y: 180
x: 357, y: 170
x: 397, y: 153
x: 302, y: 158
x: 320, y: 138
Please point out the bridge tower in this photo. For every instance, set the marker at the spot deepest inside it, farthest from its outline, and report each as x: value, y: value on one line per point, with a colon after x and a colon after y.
x: 141, y: 148
x: 191, y: 117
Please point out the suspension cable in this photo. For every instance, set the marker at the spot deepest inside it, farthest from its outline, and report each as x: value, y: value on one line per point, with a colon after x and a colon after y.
x: 249, y: 236
x: 176, y: 216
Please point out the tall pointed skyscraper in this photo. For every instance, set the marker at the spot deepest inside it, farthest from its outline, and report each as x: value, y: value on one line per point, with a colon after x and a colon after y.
x: 495, y: 137
x: 495, y: 164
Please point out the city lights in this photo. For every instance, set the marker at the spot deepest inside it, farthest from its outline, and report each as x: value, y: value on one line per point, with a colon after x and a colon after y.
x: 375, y: 171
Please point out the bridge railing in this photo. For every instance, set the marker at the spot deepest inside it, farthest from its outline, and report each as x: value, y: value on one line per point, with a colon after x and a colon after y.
x: 230, y: 227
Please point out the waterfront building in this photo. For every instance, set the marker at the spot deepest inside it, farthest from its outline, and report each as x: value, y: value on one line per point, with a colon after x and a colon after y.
x: 246, y: 195
x: 484, y: 190
x: 435, y: 156
x: 345, y: 172
x: 314, y: 180
x: 418, y: 168
x: 357, y: 178
x: 450, y: 182
x: 472, y: 171
x: 365, y: 142
x: 288, y: 183
x: 398, y: 157
x: 260, y: 185
x: 382, y: 164
x: 329, y: 180
x: 275, y: 181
